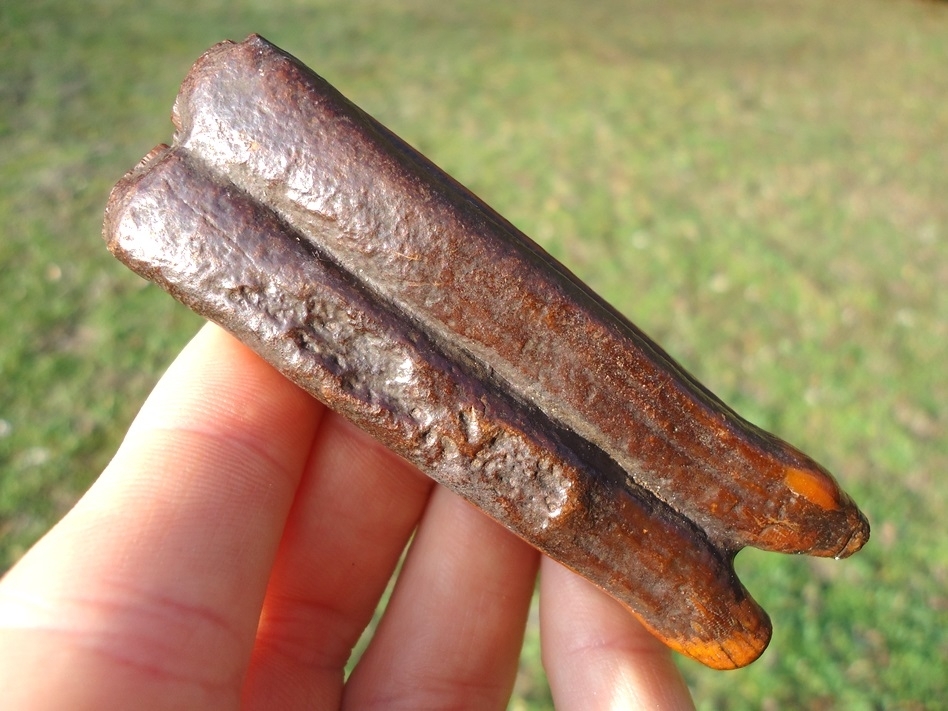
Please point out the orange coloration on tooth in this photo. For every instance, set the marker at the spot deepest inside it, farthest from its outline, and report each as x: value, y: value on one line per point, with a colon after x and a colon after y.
x: 817, y: 489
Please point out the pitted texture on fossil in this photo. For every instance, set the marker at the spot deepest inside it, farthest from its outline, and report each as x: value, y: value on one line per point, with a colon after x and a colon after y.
x: 383, y: 287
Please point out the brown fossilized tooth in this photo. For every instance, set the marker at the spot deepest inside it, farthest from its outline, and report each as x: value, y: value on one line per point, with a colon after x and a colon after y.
x: 375, y: 281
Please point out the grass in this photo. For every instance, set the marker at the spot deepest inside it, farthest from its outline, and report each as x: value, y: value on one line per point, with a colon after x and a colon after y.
x: 760, y: 185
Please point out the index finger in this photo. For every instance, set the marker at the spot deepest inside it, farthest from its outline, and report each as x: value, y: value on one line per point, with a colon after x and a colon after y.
x: 151, y: 587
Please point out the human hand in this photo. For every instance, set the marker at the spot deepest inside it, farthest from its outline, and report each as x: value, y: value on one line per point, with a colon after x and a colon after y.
x: 235, y: 548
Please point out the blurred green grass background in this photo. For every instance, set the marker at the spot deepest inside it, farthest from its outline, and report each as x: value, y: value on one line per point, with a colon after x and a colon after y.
x: 761, y: 185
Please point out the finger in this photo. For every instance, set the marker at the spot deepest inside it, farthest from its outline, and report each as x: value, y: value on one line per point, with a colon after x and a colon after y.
x: 354, y: 513
x: 147, y: 594
x: 451, y: 634
x: 596, y: 654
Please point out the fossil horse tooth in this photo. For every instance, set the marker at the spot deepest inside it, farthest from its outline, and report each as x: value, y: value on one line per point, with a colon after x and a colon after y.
x: 387, y: 290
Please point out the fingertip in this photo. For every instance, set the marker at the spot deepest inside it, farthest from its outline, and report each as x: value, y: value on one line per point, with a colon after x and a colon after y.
x: 217, y: 384
x: 452, y: 632
x: 597, y: 655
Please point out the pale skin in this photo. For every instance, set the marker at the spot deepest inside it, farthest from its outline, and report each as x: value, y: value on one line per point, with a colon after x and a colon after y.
x: 235, y: 548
